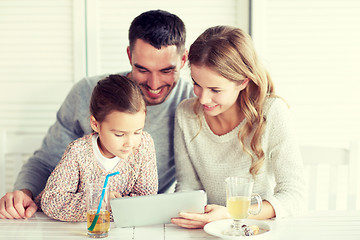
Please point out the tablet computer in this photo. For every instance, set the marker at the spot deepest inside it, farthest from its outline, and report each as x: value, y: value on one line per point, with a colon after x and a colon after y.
x: 155, y: 209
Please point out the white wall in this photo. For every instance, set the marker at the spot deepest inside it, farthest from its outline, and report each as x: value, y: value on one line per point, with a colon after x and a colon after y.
x: 312, y: 50
x: 109, y: 32
x: 48, y: 45
x: 36, y: 61
x: 310, y: 46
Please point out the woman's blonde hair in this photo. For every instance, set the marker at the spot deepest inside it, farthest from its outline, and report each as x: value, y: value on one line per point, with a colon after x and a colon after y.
x: 229, y: 51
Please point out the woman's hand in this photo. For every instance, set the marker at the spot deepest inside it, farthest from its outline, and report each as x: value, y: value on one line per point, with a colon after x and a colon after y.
x: 114, y: 194
x: 199, y: 220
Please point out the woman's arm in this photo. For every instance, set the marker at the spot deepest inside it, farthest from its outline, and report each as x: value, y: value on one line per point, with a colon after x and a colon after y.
x: 267, y: 211
x: 216, y: 212
x: 186, y: 176
x: 284, y: 162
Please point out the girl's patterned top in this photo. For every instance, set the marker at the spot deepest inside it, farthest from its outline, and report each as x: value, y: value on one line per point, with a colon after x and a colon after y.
x: 64, y: 195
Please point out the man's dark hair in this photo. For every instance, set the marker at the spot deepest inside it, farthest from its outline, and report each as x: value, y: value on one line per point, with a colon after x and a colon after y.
x: 158, y: 28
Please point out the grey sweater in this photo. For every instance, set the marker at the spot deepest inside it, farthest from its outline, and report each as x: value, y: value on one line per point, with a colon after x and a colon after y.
x: 73, y: 122
x: 205, y: 161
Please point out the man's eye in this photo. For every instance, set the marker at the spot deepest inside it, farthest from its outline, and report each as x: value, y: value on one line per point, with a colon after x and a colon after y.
x: 142, y: 70
x: 167, y: 71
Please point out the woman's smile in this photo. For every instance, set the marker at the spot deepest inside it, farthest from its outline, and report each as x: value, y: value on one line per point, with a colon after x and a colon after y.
x: 209, y: 108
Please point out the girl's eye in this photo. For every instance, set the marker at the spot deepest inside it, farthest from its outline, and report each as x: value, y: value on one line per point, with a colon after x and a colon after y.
x: 138, y: 132
x: 215, y: 91
x: 119, y: 135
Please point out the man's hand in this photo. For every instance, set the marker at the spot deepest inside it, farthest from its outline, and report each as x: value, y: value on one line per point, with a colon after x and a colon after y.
x: 17, y: 205
x: 199, y: 220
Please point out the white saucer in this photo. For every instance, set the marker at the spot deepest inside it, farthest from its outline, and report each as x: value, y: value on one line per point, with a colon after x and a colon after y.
x: 216, y: 228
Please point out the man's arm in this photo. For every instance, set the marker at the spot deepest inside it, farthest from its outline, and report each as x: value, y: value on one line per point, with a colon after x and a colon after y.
x: 72, y: 122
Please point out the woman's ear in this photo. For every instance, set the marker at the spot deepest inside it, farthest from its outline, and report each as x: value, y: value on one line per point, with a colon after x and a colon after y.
x: 94, y: 124
x: 244, y: 83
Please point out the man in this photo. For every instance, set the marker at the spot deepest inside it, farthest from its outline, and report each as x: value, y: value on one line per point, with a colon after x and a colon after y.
x: 157, y: 54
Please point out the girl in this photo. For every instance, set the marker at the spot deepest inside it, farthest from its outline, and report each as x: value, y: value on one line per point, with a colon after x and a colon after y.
x: 118, y: 143
x: 235, y: 127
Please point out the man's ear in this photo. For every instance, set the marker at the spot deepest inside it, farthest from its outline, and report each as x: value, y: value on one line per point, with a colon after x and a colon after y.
x: 184, y: 58
x: 129, y: 54
x: 94, y: 124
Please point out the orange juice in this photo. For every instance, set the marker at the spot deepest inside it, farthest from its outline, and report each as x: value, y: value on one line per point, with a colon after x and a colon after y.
x: 238, y: 207
x: 102, y: 226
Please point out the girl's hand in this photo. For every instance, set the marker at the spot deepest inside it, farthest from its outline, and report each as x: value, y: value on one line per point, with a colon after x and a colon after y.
x: 199, y: 220
x: 114, y: 194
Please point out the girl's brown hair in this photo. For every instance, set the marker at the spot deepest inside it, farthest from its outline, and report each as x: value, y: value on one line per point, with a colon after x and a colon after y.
x: 229, y: 51
x: 118, y: 93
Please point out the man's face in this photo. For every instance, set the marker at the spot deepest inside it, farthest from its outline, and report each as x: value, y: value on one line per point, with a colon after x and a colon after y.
x: 155, y: 70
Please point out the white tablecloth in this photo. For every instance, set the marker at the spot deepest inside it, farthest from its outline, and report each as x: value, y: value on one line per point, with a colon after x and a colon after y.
x: 339, y: 225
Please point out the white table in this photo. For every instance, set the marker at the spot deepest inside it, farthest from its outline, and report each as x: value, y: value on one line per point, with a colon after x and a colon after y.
x: 319, y: 225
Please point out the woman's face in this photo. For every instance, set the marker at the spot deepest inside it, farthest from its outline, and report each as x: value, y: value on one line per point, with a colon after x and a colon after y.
x: 119, y: 133
x: 216, y: 93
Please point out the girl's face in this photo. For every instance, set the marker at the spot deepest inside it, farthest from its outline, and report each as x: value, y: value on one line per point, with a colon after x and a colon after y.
x: 120, y: 133
x: 216, y: 93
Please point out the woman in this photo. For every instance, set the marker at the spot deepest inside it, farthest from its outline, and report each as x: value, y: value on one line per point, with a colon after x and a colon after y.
x: 236, y: 126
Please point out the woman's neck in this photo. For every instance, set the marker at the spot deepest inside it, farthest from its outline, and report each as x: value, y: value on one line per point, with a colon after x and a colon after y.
x: 226, y: 121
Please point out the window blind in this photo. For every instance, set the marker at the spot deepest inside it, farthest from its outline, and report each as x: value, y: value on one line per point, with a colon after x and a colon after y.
x: 114, y: 19
x: 36, y: 60
x: 48, y: 45
x: 36, y: 69
x: 312, y: 51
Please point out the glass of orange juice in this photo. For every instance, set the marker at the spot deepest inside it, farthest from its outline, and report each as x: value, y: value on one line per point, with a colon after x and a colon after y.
x: 238, y: 200
x: 101, y: 215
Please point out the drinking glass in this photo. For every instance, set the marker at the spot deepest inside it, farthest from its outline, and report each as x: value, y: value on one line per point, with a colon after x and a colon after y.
x: 93, y: 192
x: 238, y: 200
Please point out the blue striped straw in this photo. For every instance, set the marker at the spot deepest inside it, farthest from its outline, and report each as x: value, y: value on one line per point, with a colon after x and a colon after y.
x: 101, y: 199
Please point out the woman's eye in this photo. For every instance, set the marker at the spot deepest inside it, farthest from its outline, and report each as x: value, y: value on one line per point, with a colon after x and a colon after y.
x: 215, y: 91
x: 119, y: 135
x: 138, y: 133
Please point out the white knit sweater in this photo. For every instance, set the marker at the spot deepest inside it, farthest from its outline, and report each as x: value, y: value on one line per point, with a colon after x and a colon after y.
x: 205, y: 161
